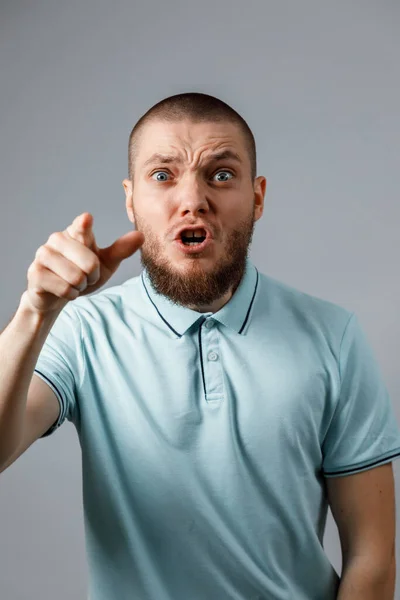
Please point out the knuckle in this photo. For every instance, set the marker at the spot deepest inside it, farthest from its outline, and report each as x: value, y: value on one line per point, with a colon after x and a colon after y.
x: 78, y: 279
x: 38, y: 289
x: 65, y: 290
x: 41, y: 253
x: 31, y: 269
x: 35, y: 289
x: 95, y: 264
x: 55, y: 237
x: 35, y: 281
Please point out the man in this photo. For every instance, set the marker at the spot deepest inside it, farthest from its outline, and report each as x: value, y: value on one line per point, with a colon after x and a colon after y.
x: 219, y: 411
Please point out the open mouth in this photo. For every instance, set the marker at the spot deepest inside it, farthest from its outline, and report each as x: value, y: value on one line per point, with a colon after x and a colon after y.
x: 193, y: 241
x: 193, y: 238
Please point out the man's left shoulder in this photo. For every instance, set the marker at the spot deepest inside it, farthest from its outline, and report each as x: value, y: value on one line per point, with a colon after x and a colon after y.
x: 303, y: 307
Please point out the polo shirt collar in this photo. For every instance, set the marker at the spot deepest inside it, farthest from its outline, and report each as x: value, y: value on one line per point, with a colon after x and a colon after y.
x: 234, y: 314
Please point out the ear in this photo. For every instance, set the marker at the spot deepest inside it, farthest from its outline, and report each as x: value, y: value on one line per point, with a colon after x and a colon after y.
x: 127, y: 184
x: 260, y: 186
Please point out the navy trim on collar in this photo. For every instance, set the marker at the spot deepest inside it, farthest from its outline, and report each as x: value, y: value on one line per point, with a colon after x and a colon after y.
x: 235, y: 314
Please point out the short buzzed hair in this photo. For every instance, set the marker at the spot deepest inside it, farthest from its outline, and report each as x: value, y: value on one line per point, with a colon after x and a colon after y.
x: 198, y: 108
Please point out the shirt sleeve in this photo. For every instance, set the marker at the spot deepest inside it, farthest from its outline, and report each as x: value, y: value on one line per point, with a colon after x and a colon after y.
x: 60, y: 364
x: 363, y: 432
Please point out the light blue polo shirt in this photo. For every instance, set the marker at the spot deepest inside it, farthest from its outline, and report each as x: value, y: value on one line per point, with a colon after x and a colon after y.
x: 206, y: 437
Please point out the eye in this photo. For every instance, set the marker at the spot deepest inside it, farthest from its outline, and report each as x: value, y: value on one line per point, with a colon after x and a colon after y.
x: 164, y: 173
x: 224, y: 174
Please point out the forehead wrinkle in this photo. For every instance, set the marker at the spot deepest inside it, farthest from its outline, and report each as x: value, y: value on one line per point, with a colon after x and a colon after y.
x: 213, y: 156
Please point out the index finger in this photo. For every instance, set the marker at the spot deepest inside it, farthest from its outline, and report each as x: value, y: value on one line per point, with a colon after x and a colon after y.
x: 81, y: 229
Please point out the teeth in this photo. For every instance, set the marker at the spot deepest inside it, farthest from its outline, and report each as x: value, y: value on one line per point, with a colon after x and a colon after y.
x: 192, y: 233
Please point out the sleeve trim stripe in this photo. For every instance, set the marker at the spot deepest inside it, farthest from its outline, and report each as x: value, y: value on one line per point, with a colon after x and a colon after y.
x: 395, y: 454
x: 57, y: 392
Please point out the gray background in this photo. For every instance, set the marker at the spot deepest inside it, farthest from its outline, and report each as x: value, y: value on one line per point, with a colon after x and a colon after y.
x: 317, y: 82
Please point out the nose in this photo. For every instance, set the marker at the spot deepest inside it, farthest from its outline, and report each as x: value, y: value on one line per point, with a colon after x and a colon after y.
x: 192, y: 197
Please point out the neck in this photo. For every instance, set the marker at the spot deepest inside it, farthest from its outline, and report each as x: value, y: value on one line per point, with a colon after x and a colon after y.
x: 214, y: 306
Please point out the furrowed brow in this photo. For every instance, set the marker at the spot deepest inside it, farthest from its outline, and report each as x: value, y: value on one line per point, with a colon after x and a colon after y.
x: 225, y: 155
x: 165, y: 159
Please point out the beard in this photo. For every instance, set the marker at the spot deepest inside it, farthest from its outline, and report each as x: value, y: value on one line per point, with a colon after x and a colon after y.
x: 195, y: 286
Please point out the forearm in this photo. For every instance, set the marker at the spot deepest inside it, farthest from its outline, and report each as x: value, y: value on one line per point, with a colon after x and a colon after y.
x: 20, y: 345
x: 361, y: 582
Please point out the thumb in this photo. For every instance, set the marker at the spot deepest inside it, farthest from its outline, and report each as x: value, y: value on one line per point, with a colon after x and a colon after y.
x: 122, y: 248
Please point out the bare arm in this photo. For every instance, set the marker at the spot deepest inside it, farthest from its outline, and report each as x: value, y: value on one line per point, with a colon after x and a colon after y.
x: 69, y: 265
x: 20, y: 346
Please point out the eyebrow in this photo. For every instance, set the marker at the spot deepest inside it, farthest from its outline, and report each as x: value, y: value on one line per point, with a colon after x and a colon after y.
x: 170, y: 158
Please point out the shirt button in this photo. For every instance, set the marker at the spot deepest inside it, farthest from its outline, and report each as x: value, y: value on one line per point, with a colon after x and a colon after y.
x: 209, y: 324
x: 212, y: 356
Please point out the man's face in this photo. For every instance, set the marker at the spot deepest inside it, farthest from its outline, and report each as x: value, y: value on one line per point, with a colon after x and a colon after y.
x: 194, y: 189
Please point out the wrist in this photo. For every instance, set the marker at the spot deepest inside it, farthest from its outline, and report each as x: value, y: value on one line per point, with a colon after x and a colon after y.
x: 32, y: 319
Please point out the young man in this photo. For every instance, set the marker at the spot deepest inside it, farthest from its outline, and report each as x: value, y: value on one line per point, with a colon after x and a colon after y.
x: 219, y: 411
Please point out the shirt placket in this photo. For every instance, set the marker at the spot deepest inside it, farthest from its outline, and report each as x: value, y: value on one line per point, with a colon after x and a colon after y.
x: 211, y: 360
